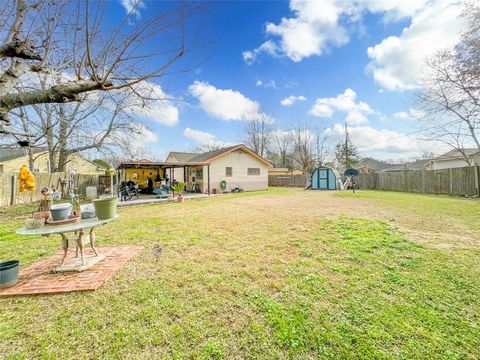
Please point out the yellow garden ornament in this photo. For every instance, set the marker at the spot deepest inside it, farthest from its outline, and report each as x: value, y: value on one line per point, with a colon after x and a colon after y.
x: 27, y: 180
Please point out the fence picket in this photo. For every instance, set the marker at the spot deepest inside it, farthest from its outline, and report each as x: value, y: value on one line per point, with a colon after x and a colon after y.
x: 455, y: 181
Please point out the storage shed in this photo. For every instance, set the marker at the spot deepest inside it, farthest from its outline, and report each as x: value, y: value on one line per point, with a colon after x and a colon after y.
x: 324, y: 178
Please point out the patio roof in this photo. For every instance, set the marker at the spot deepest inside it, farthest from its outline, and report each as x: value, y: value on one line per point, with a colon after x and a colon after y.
x: 144, y: 164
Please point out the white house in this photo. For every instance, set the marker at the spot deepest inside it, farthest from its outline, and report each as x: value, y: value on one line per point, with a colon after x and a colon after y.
x: 237, y: 166
x: 455, y: 159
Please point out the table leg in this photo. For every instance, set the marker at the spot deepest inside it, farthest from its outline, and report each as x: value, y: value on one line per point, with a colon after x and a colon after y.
x: 92, y: 241
x: 64, y: 247
x: 80, y: 246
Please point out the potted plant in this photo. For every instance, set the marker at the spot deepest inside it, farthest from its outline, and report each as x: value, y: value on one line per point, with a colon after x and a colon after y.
x: 9, y: 273
x: 178, y: 187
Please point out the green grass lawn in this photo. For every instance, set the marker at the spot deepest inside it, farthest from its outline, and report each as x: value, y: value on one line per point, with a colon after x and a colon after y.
x: 279, y: 274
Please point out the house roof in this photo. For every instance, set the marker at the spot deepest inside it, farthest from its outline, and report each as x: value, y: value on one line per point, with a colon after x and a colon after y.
x: 9, y: 153
x: 139, y: 164
x: 457, y: 154
x: 211, y: 155
x: 414, y: 165
x: 182, y: 156
x: 197, y: 160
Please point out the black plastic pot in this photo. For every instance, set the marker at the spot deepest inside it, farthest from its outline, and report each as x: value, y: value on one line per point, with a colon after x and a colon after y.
x: 9, y: 273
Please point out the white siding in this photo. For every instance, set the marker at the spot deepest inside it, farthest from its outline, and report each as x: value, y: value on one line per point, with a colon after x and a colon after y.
x: 239, y: 161
x: 453, y: 163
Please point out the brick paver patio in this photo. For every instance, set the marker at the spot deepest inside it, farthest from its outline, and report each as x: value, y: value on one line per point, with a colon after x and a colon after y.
x: 38, y: 278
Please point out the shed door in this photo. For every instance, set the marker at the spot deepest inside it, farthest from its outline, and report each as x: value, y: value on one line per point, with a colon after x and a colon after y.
x: 322, y: 178
x: 315, y: 180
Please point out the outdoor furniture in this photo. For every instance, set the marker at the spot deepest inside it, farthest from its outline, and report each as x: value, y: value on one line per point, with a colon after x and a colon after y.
x: 78, y: 241
x: 133, y: 191
x: 161, y: 192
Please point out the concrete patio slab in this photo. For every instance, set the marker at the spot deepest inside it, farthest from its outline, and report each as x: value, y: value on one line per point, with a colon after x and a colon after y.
x: 147, y: 199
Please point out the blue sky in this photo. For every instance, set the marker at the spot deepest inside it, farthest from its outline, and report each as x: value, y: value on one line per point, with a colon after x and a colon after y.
x: 338, y: 61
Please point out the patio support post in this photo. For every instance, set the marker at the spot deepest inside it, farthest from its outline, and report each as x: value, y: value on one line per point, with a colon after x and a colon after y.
x: 208, y: 172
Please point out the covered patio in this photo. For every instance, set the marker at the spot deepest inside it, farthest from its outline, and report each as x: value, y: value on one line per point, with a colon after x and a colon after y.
x: 148, y: 175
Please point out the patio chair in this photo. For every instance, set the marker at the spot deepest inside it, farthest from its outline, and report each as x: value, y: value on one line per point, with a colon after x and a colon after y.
x: 133, y: 191
x: 160, y: 192
x: 124, y: 193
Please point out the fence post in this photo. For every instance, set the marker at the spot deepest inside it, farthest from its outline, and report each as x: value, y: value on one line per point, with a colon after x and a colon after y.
x: 13, y: 185
x: 477, y: 182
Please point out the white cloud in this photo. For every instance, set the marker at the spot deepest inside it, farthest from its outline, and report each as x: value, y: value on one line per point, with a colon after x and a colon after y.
x: 268, y: 47
x: 317, y: 25
x: 269, y: 84
x: 383, y: 143
x: 356, y: 112
x: 401, y: 115
x: 142, y: 134
x: 397, y: 61
x: 156, y: 107
x: 288, y: 101
x: 203, y: 138
x: 411, y: 114
x: 227, y: 105
x: 133, y: 7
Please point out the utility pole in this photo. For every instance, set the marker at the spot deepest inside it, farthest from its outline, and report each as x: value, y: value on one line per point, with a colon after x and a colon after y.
x: 346, y: 146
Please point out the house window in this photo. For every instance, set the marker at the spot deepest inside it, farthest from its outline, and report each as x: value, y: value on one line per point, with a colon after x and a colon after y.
x: 199, y: 174
x: 253, y: 171
x: 228, y: 171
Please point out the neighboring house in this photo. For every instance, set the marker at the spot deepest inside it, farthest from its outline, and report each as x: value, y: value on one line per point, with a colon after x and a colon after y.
x: 366, y: 170
x: 284, y: 171
x: 11, y: 160
x: 455, y: 159
x: 237, y: 165
x: 368, y: 164
x: 413, y: 165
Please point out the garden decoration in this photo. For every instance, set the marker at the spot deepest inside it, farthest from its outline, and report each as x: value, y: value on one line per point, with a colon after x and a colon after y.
x: 45, y: 205
x: 27, y: 180
x: 223, y: 185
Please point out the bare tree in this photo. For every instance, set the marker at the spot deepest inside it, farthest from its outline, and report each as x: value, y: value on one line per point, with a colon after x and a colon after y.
x: 303, y: 142
x: 208, y: 146
x: 257, y: 133
x: 322, y: 148
x: 449, y: 97
x: 281, y: 148
x: 38, y: 35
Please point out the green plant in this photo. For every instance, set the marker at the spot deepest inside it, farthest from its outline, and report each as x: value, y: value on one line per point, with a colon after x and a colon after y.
x: 178, y: 187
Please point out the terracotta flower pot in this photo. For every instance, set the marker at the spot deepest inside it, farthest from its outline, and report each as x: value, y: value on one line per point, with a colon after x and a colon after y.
x: 180, y: 198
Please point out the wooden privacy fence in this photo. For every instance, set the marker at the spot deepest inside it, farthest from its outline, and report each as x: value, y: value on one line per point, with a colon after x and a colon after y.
x: 457, y: 181
x: 288, y: 180
x: 9, y: 194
